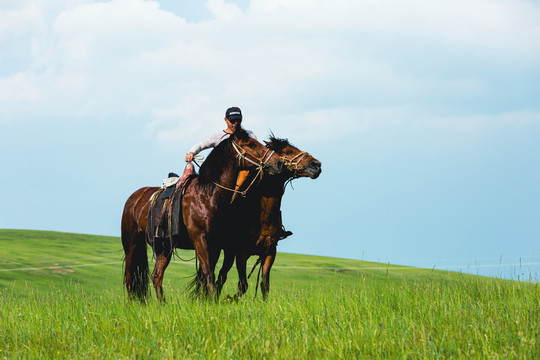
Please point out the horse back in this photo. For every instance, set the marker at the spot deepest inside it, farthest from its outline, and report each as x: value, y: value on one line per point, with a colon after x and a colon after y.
x: 136, y: 208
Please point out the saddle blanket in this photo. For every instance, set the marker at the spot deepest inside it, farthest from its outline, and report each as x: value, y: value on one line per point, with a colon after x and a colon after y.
x: 169, y: 185
x: 170, y: 182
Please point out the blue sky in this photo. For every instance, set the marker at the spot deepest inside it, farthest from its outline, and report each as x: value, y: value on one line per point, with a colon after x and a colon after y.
x: 425, y: 114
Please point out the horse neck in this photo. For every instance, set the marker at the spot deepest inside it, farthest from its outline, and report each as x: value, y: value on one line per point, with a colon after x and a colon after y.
x: 230, y: 174
x: 228, y: 179
x: 273, y: 186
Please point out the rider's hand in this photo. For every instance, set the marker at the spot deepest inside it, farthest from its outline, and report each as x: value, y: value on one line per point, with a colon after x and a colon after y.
x: 189, y: 157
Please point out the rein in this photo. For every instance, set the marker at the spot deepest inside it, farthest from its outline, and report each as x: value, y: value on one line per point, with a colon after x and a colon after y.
x: 242, y: 160
x: 259, y: 261
x: 198, y: 157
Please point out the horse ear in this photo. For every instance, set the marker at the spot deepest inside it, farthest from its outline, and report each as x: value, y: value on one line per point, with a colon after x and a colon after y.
x: 268, y: 143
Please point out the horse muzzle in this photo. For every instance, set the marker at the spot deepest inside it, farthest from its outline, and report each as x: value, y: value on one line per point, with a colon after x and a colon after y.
x: 314, y: 169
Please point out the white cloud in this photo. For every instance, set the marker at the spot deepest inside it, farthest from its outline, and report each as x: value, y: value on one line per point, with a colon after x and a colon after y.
x: 504, y: 24
x: 224, y: 11
x: 116, y: 30
x: 291, y: 64
x: 17, y: 22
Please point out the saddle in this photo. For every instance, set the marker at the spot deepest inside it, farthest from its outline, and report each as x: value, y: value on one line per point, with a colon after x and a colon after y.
x: 162, y: 222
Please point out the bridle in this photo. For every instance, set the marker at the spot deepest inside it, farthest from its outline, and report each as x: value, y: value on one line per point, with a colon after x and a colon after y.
x: 242, y: 156
x: 260, y: 163
x: 292, y: 164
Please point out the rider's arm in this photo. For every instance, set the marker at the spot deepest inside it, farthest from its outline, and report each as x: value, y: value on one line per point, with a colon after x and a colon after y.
x: 197, y: 148
x: 213, y: 141
x: 210, y: 142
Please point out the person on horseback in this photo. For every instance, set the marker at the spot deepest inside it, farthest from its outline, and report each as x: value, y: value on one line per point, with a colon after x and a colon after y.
x: 233, y: 120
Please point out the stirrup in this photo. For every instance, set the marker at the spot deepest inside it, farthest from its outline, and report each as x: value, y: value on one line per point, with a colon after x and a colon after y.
x: 284, y: 233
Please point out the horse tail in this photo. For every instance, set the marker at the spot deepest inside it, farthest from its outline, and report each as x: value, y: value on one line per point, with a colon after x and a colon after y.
x: 195, y: 286
x: 136, y: 272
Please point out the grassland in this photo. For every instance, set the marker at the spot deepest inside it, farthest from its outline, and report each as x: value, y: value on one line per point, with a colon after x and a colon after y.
x: 61, y: 296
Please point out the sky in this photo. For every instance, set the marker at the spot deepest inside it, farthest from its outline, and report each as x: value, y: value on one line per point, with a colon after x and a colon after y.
x: 425, y: 115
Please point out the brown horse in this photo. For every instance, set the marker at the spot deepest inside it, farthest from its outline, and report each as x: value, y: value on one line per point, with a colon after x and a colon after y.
x: 205, y: 205
x: 261, y: 213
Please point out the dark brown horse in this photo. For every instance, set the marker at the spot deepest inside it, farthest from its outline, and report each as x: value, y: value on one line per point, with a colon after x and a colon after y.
x: 204, y: 206
x: 258, y: 216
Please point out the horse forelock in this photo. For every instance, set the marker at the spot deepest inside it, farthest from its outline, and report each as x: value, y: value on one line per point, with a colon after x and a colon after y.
x: 278, y: 144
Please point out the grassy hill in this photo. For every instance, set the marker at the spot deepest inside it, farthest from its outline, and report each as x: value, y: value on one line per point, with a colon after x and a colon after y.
x: 61, y: 296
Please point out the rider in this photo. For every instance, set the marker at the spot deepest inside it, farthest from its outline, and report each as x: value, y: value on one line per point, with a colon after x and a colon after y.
x: 233, y: 119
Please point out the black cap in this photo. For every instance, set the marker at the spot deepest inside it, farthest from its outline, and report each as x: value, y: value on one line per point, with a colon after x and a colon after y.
x: 233, y: 114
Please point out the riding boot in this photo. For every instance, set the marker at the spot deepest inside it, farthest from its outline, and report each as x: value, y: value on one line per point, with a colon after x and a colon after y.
x: 189, y: 170
x: 284, y: 233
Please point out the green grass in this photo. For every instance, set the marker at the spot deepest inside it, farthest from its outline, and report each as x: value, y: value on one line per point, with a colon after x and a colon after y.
x: 61, y: 296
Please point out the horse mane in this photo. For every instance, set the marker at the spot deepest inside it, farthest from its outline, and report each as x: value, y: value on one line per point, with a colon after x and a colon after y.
x: 277, y: 144
x: 212, y: 168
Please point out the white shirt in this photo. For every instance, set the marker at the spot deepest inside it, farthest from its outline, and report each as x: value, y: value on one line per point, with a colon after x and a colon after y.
x: 214, y: 140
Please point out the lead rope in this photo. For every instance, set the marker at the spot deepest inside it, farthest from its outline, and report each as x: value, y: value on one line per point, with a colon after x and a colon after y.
x: 258, y: 276
x: 244, y: 193
x: 254, y: 266
x: 259, y: 261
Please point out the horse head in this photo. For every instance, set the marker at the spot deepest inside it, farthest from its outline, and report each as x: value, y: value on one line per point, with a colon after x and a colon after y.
x: 251, y: 153
x: 299, y: 163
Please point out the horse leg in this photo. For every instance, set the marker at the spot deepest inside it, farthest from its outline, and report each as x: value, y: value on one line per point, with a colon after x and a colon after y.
x: 163, y: 258
x: 227, y: 265
x: 214, y: 257
x: 241, y: 264
x: 199, y: 279
x: 201, y: 249
x: 267, y: 265
x: 162, y: 261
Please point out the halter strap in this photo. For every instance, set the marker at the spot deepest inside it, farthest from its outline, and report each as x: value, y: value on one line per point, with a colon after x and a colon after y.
x: 291, y: 162
x: 241, y: 156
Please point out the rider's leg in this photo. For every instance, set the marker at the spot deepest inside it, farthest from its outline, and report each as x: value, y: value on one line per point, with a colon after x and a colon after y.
x: 189, y: 170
